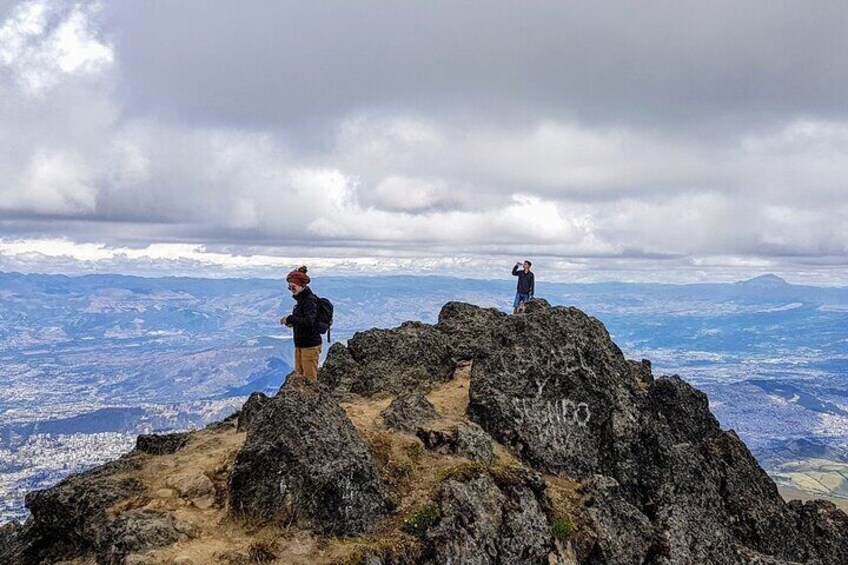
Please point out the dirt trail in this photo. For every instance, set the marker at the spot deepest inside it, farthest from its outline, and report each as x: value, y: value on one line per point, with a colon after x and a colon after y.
x: 411, y: 473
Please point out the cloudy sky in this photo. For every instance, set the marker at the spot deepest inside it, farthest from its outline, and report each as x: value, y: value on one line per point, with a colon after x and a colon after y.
x: 674, y: 141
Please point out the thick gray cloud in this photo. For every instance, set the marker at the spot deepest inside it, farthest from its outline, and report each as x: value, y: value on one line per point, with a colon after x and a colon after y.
x: 598, y: 137
x: 655, y: 62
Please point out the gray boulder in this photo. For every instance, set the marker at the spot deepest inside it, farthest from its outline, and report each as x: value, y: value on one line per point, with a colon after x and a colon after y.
x: 408, y: 411
x: 467, y: 440
x: 71, y: 519
x: 254, y: 404
x: 137, y: 531
x: 389, y: 361
x: 161, y: 444
x: 557, y: 390
x: 621, y: 532
x: 472, y: 442
x: 486, y: 521
x: 470, y: 329
x: 303, y: 459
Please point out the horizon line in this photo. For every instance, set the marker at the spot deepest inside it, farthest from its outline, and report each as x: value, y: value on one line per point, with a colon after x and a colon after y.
x: 416, y: 275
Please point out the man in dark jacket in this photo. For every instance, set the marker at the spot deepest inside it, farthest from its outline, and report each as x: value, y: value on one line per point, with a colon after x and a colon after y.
x: 526, y: 285
x: 304, y: 321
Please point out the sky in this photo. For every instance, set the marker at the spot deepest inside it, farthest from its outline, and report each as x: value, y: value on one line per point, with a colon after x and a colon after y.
x: 669, y: 141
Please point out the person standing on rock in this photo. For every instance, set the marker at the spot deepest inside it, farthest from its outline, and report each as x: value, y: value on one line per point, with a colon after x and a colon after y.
x: 304, y: 321
x: 526, y: 285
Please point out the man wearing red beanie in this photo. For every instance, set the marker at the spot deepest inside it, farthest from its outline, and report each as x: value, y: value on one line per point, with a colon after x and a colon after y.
x: 304, y: 321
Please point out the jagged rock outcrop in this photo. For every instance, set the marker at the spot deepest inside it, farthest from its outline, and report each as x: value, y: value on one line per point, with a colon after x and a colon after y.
x: 408, y: 411
x: 72, y: 518
x: 137, y: 531
x: 252, y: 407
x: 161, y: 444
x: 467, y: 440
x: 557, y: 390
x: 304, y: 460
x: 485, y: 518
x: 620, y: 532
x: 470, y: 329
x: 551, y: 385
x: 560, y: 393
x: 391, y: 361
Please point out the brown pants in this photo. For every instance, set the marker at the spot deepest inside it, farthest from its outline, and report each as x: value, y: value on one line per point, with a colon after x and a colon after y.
x: 306, y: 361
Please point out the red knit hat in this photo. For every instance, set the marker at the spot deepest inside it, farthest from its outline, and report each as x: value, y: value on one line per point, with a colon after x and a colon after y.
x: 298, y: 277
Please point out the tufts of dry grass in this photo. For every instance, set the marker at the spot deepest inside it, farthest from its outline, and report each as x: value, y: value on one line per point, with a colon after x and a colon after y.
x: 261, y: 552
x: 503, y: 475
x: 422, y: 520
x: 391, y: 547
x: 415, y: 451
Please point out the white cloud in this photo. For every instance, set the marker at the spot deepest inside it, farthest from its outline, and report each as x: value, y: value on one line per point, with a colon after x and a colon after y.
x: 551, y: 157
x: 165, y: 259
x: 214, y: 186
x: 58, y: 115
x: 42, y: 41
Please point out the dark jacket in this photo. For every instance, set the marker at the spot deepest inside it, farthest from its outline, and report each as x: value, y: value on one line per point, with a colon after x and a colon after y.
x: 304, y: 319
x: 526, y: 281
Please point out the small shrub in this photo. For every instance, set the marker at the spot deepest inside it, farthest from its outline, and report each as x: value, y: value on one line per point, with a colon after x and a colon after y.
x: 381, y: 448
x: 415, y: 451
x: 425, y: 518
x: 508, y: 475
x: 462, y: 472
x: 395, y: 471
x: 404, y: 472
x: 562, y: 528
x: 261, y: 552
x: 503, y: 475
x: 394, y: 548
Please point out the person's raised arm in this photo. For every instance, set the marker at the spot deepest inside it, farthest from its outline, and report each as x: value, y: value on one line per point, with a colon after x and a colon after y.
x: 515, y: 271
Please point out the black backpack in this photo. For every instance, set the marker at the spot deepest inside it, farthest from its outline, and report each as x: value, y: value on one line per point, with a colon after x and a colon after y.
x: 325, y: 316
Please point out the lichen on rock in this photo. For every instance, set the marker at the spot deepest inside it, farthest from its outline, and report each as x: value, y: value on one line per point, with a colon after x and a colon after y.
x: 467, y: 440
x: 408, y: 411
x: 304, y: 460
x: 486, y: 521
x: 389, y: 361
x: 254, y: 404
x: 161, y: 444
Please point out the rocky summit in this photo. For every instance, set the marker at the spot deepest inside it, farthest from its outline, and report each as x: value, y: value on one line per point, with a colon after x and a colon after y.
x: 485, y: 438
